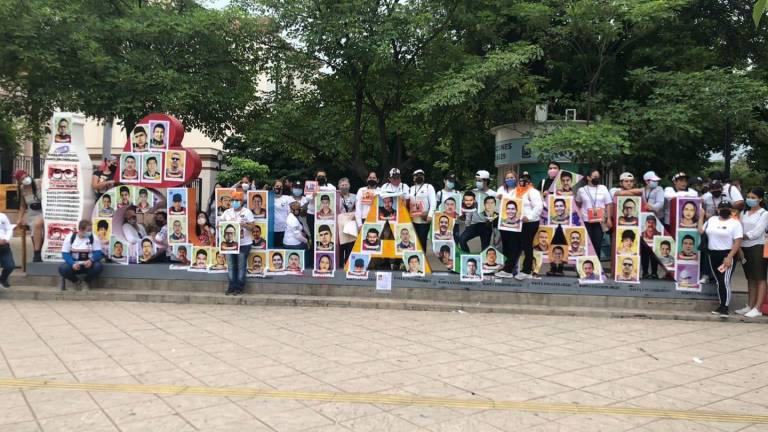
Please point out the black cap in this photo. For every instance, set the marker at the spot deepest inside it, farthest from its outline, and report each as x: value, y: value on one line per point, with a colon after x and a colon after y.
x: 176, y: 197
x: 724, y: 204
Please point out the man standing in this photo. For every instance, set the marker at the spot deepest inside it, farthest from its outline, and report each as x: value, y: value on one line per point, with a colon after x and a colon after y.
x: 6, y: 255
x: 476, y: 224
x: 422, y: 197
x: 82, y: 255
x: 395, y: 186
x: 236, y: 263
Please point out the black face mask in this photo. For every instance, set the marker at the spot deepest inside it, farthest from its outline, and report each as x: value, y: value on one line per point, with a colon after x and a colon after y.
x: 322, y: 180
x: 418, y: 180
x: 595, y: 181
x: 372, y: 183
x: 725, y: 213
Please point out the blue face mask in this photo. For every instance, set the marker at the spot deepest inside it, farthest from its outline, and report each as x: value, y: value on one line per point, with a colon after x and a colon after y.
x: 235, y: 204
x: 297, y: 192
x: 751, y: 202
x: 510, y: 182
x: 449, y: 184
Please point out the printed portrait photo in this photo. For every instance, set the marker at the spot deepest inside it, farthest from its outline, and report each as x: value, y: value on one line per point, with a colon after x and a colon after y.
x: 325, y: 264
x: 144, y: 200
x: 175, y: 162
x: 199, y: 261
x: 651, y: 227
x: 471, y: 266
x: 140, y: 138
x: 294, y: 263
x: 493, y: 260
x: 489, y: 209
x: 416, y: 206
x: 688, y: 244
x: 62, y: 129
x: 628, y: 209
x: 450, y: 204
x: 310, y: 187
x: 627, y: 241
x: 105, y: 204
x: 159, y: 134
x: 177, y: 201
x: 256, y: 264
x: 129, y: 167
x: 358, y: 266
x: 181, y: 255
x: 177, y: 229
x: 118, y: 252
x: 387, y: 208
x: 405, y: 238
x: 125, y: 196
x: 325, y: 206
x: 219, y: 264
x: 257, y: 203
x: 687, y: 276
x: 665, y: 249
x: 145, y: 250
x: 372, y: 236
x: 445, y: 251
x: 414, y: 264
x: 229, y: 237
x: 564, y: 183
x: 152, y: 167
x: 276, y: 264
x: 542, y: 238
x: 560, y: 209
x: 627, y: 269
x: 511, y: 218
x: 589, y: 269
x: 223, y: 199
x: 102, y: 229
x: 577, y: 241
x: 688, y: 212
x: 558, y: 254
x: 260, y: 235
x: 442, y: 227
x: 325, y: 236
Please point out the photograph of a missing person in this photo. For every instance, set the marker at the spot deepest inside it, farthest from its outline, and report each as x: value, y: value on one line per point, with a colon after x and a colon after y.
x: 62, y: 126
x: 414, y: 264
x: 118, y: 253
x: 664, y: 247
x: 651, y: 227
x: 687, y: 276
x: 129, y: 167
x: 175, y: 163
x: 223, y: 199
x: 140, y: 138
x: 471, y: 266
x: 159, y: 134
x: 493, y: 260
x: 627, y: 269
x: 445, y: 251
x: 387, y: 209
x: 325, y: 236
x: 177, y: 229
x: 199, y: 260
x: 405, y: 238
x: 125, y: 196
x: 325, y: 264
x: 276, y: 261
x: 144, y: 200
x: 372, y: 236
x: 589, y: 269
x: 259, y: 235
x: 358, y: 266
x: 577, y: 241
x: 325, y: 206
x: 145, y: 250
x: 628, y: 208
x: 177, y: 201
x: 442, y: 227
x: 152, y: 166
x: 688, y: 245
x: 105, y: 204
x: 219, y: 264
x: 294, y: 262
x: 688, y: 212
x: 229, y: 237
x: 450, y: 203
x: 560, y: 210
x: 257, y: 203
x: 543, y: 238
x: 511, y: 218
x: 181, y: 256
x: 257, y: 263
x: 627, y: 241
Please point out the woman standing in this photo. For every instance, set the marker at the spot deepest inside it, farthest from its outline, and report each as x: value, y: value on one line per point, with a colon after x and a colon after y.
x: 724, y: 235
x: 31, y: 210
x: 531, y: 212
x: 754, y: 220
x: 595, y: 201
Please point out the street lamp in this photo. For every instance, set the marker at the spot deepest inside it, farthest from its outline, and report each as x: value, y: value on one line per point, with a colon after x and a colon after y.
x: 219, y: 159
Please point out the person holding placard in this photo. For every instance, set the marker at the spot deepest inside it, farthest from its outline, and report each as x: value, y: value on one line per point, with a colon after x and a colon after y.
x: 236, y: 263
x: 533, y: 205
x: 422, y: 202
x: 595, y: 201
x: 365, y: 196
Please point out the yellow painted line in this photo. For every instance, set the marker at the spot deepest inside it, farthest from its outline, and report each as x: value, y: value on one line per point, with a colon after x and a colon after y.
x: 372, y: 398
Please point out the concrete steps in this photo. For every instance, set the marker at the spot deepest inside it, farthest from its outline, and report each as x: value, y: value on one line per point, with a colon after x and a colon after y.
x: 382, y: 301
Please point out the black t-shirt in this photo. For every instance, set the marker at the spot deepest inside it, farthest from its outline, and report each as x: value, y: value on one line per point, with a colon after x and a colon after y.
x: 104, y: 177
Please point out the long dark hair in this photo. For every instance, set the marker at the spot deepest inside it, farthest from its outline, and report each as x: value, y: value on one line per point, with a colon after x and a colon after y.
x: 198, y: 228
x: 760, y: 192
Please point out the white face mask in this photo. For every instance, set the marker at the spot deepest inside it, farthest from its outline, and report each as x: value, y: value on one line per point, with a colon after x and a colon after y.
x: 27, y: 181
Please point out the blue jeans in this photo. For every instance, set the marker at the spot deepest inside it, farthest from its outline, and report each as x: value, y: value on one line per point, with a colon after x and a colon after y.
x: 236, y: 272
x: 65, y: 270
x: 6, y: 262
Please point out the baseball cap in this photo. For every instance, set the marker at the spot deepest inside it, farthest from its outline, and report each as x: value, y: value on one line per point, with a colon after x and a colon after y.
x: 724, y: 204
x: 626, y: 176
x: 679, y: 176
x: 483, y: 174
x: 176, y: 197
x: 651, y: 175
x: 19, y: 174
x: 394, y: 172
x: 419, y: 171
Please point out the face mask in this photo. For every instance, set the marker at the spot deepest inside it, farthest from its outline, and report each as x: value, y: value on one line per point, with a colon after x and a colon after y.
x: 510, y: 182
x: 344, y: 189
x: 653, y: 184
x: 322, y: 180
x: 418, y: 180
x: 595, y: 181
x: 278, y: 190
x: 27, y: 181
x: 88, y: 233
x: 479, y: 184
x: 751, y: 202
x: 297, y: 192
x: 371, y: 183
x: 724, y: 213
x: 246, y: 186
x: 235, y: 204
x: 552, y: 172
x: 201, y: 221
x: 449, y: 184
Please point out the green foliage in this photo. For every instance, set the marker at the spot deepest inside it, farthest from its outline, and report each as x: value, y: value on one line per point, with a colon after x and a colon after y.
x: 239, y: 167
x: 596, y: 144
x: 760, y: 7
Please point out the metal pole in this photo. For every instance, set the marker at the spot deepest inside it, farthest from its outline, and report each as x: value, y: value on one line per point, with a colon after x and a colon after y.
x: 106, y: 143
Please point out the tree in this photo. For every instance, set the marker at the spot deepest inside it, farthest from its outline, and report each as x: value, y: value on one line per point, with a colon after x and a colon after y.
x: 597, y: 144
x: 237, y: 168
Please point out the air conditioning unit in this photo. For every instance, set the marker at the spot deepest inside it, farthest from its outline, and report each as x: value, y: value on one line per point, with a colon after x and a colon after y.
x: 541, y: 113
x: 570, y: 114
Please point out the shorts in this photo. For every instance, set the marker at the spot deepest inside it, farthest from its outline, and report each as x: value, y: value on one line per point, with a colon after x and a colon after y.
x: 756, y: 267
x: 32, y: 217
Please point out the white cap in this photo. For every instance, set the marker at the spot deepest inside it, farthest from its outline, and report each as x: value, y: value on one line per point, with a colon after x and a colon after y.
x: 394, y: 172
x: 419, y: 171
x: 626, y: 176
x: 651, y: 175
x: 483, y: 174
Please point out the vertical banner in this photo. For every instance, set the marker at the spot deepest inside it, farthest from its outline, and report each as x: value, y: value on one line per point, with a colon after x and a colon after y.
x: 686, y: 216
x: 627, y: 241
x: 66, y: 183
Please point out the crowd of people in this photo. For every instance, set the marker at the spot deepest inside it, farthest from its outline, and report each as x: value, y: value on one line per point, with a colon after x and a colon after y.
x: 735, y: 227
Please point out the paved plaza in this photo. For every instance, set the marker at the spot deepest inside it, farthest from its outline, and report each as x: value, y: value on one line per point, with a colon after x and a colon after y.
x: 102, y: 366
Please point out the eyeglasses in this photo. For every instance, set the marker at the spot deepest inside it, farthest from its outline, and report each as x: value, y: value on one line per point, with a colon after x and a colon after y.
x: 175, y: 159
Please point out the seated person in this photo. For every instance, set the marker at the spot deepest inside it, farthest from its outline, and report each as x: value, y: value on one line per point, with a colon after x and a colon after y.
x: 82, y: 255
x: 132, y: 229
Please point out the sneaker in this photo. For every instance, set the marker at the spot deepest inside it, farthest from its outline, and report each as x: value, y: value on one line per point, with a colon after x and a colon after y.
x: 37, y: 257
x: 522, y: 276
x: 743, y: 310
x: 653, y: 276
x: 230, y: 291
x: 4, y: 283
x: 703, y: 280
x: 85, y: 285
x: 503, y: 274
x: 754, y: 313
x: 720, y: 311
x: 645, y: 276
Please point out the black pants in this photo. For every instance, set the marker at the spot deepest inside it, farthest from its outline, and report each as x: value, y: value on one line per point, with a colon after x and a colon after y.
x: 483, y: 230
x: 422, y: 232
x: 346, y: 251
x: 704, y: 263
x: 595, y: 233
x: 277, y: 241
x: 716, y: 258
x: 514, y: 243
x: 648, y: 260
x: 6, y: 262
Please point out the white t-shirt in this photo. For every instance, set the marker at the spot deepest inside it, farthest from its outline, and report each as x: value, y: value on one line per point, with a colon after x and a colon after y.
x: 81, y: 248
x: 754, y: 227
x: 327, y: 188
x: 362, y: 209
x: 669, y: 193
x: 424, y: 192
x: 283, y: 209
x: 244, y: 215
x: 6, y: 229
x: 722, y: 233
x: 134, y: 235
x: 592, y: 197
x: 389, y: 189
x: 293, y: 230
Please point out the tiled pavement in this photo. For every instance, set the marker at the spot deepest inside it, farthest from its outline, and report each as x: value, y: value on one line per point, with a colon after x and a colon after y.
x: 550, y: 360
